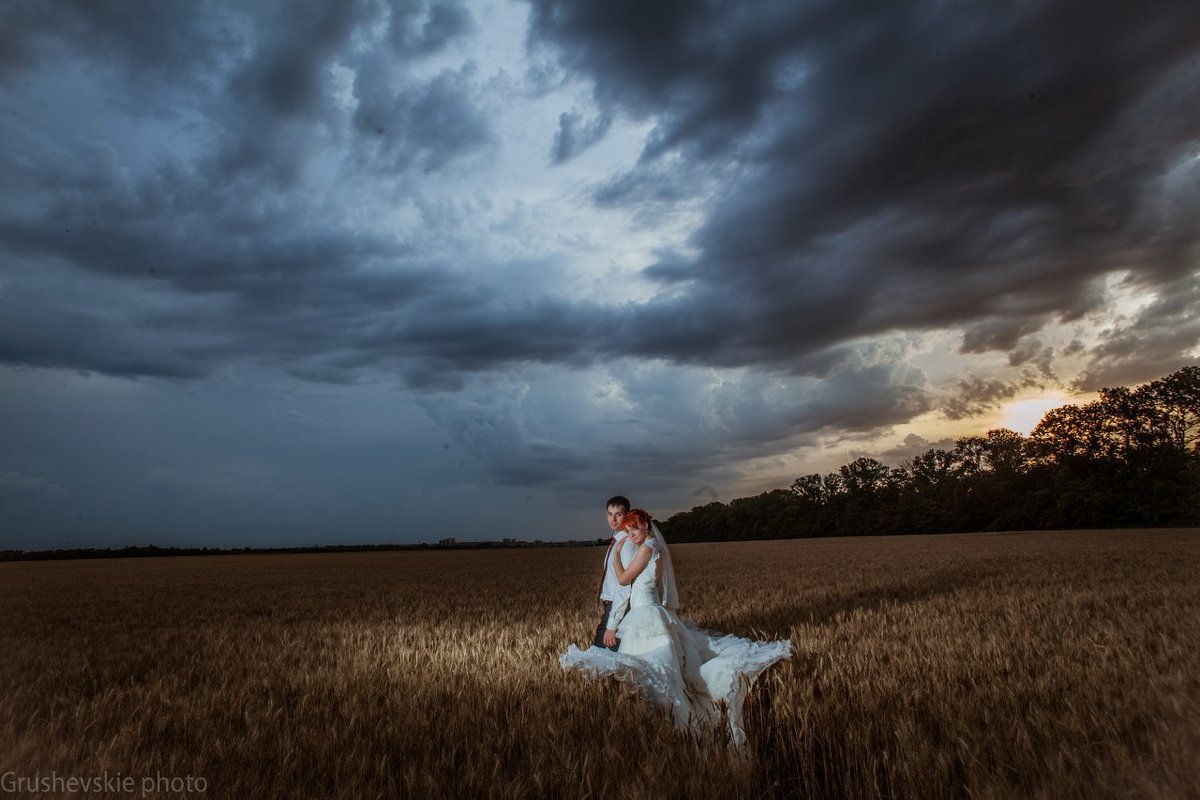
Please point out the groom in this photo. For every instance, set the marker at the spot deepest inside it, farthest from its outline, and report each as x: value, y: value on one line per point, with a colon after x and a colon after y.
x: 612, y: 593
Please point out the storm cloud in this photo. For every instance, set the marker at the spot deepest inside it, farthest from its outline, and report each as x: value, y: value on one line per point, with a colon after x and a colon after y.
x: 914, y: 167
x: 732, y: 233
x: 909, y: 169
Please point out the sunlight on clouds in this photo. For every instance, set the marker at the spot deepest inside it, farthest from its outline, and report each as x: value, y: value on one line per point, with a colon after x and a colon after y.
x: 1125, y: 300
x: 1023, y: 415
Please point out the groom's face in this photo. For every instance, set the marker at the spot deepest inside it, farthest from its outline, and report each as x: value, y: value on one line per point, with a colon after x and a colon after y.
x: 616, y: 517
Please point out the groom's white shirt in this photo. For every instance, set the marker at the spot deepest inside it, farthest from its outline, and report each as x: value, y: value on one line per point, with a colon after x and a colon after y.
x: 611, y: 589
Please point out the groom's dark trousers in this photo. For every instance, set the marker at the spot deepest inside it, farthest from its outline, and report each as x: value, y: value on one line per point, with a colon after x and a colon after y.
x: 603, y: 626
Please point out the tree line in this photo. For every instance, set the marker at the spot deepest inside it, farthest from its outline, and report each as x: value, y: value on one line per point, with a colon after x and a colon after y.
x: 1128, y: 459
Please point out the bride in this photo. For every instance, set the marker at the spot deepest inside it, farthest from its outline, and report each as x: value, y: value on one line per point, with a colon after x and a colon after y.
x: 691, y: 671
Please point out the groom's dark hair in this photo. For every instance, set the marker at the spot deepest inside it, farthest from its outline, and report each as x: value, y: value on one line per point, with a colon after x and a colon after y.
x: 622, y: 502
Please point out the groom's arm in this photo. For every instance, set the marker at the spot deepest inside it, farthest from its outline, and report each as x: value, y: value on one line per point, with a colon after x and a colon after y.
x: 628, y: 551
x: 614, y: 619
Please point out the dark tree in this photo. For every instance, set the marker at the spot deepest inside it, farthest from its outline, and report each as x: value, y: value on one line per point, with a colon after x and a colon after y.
x: 1130, y: 458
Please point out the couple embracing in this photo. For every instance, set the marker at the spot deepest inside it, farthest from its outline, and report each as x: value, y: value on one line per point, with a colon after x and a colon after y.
x: 642, y: 641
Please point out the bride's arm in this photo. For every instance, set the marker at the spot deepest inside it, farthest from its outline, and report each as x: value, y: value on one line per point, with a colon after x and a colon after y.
x: 626, y: 576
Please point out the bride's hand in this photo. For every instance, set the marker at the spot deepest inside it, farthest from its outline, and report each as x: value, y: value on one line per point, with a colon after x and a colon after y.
x: 626, y: 576
x: 618, y: 567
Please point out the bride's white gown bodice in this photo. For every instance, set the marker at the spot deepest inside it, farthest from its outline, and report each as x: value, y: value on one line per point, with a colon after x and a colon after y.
x: 644, y: 591
x: 690, y: 670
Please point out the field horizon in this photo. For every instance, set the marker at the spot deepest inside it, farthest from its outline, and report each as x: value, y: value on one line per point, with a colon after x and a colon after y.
x: 151, y: 550
x: 997, y: 664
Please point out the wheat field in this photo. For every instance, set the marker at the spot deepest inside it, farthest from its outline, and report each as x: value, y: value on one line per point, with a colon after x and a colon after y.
x: 1043, y: 665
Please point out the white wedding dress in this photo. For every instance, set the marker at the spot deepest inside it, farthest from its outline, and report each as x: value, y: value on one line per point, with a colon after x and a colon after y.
x: 691, y: 671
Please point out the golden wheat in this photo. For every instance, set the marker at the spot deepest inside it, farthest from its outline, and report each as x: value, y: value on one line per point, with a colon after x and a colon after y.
x: 1010, y: 665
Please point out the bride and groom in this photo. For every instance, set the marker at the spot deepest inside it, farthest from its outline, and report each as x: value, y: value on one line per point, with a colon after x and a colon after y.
x: 641, y: 640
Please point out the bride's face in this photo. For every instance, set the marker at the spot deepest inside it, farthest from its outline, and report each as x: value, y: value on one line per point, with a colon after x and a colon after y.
x: 639, y: 534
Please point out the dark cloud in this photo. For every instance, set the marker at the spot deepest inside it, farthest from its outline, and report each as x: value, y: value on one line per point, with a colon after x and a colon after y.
x: 258, y: 78
x: 669, y: 426
x: 913, y: 166
x: 997, y: 333
x: 283, y: 76
x: 708, y: 67
x: 910, y: 168
x: 657, y: 188
x: 206, y: 249
x: 973, y: 396
x: 1032, y: 351
x: 1162, y: 338
x: 428, y: 124
x: 576, y: 134
x: 416, y: 29
x: 173, y: 40
x: 285, y: 112
x: 853, y: 172
x: 32, y: 335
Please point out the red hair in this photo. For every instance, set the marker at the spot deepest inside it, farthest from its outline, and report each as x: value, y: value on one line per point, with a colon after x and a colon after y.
x: 636, y: 518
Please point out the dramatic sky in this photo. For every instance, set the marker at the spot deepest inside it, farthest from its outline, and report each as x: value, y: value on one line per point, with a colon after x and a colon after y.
x: 283, y: 273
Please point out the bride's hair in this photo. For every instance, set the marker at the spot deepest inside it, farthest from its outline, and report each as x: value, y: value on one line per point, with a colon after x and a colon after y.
x: 637, y: 517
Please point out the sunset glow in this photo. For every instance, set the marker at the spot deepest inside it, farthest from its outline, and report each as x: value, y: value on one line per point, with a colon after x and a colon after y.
x: 1023, y: 415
